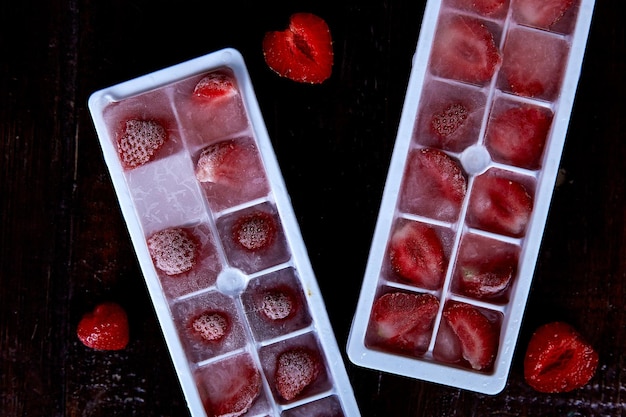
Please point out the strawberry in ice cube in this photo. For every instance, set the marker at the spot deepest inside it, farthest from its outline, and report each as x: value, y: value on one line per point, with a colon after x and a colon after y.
x: 278, y: 304
x: 518, y: 135
x: 214, y: 86
x: 222, y: 162
x: 434, y: 185
x: 416, y: 255
x: 296, y: 369
x: 483, y: 7
x: 464, y: 49
x: 255, y: 231
x: 210, y: 326
x: 448, y: 120
x: 403, y: 321
x: 138, y: 141
x: 499, y: 205
x: 541, y: 13
x: 173, y: 250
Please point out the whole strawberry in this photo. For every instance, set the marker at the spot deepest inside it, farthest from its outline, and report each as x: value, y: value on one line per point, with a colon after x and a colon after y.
x: 104, y: 328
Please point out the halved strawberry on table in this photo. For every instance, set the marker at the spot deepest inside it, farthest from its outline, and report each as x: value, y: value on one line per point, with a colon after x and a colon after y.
x: 104, y: 328
x: 303, y: 52
x: 559, y: 359
x: 541, y: 13
x: 464, y: 49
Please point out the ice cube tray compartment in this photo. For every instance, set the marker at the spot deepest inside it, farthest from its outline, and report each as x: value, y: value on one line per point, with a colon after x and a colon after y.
x: 454, y: 122
x: 238, y: 289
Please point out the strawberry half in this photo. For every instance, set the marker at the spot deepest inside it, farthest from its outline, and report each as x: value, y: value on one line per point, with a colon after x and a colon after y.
x: 447, y: 121
x: 464, y: 49
x: 138, y: 141
x: 255, y: 231
x: 486, y: 279
x: 210, y: 325
x: 416, y: 254
x: 303, y: 52
x: 518, y: 135
x: 296, y: 369
x: 499, y: 205
x: 173, y: 250
x: 477, y: 335
x: 541, y: 13
x: 215, y: 85
x: 105, y: 328
x: 278, y: 304
x: 404, y: 321
x: 558, y: 359
x: 222, y: 163
x: 484, y: 7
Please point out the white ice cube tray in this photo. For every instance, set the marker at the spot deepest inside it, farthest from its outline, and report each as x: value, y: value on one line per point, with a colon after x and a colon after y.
x: 475, y: 159
x: 164, y: 193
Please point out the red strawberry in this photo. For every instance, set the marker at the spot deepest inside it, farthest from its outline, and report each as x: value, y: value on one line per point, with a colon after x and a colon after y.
x: 173, y: 251
x: 210, y: 325
x: 303, y: 52
x: 215, y: 85
x: 405, y: 321
x: 296, y: 369
x: 255, y: 231
x: 278, y: 304
x: 138, y: 141
x: 499, y: 205
x: 464, y: 49
x: 558, y: 359
x: 541, y: 13
x: 222, y: 162
x: 105, y: 328
x: 518, y: 135
x: 416, y: 255
x: 486, y: 279
x: 446, y: 122
x: 484, y: 7
x: 477, y: 335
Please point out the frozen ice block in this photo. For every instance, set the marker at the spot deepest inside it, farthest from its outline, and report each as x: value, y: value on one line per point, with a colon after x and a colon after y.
x: 475, y: 161
x: 218, y: 243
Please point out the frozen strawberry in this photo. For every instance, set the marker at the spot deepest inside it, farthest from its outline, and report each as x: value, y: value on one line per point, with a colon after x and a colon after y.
x: 173, y: 250
x: 105, y: 328
x: 518, y: 135
x: 215, y: 85
x: 278, y: 304
x: 541, y: 13
x: 255, y: 231
x: 139, y: 140
x: 416, y: 254
x: 464, y: 49
x: 477, y: 335
x: 404, y: 321
x: 222, y: 162
x: 486, y: 279
x: 210, y: 325
x: 447, y: 121
x: 233, y: 389
x: 303, y: 52
x: 484, y: 7
x: 558, y: 359
x: 499, y: 205
x: 296, y: 369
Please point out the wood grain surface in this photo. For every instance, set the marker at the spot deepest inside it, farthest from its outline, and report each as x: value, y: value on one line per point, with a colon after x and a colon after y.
x: 64, y: 244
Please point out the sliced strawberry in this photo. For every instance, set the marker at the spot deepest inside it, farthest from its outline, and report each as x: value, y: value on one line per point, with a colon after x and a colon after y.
x: 173, y: 250
x: 296, y: 369
x: 558, y: 359
x: 138, y: 141
x: 541, y: 13
x: 484, y: 7
x: 211, y: 326
x: 105, y: 328
x: 255, y: 231
x: 447, y: 121
x: 518, y: 135
x: 416, y: 254
x: 278, y: 304
x: 303, y: 52
x: 499, y: 205
x: 215, y: 85
x: 477, y: 335
x: 404, y: 321
x: 464, y: 49
x: 486, y: 279
x: 222, y: 162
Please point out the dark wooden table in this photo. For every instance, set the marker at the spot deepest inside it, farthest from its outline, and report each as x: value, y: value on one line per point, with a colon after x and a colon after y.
x: 64, y: 245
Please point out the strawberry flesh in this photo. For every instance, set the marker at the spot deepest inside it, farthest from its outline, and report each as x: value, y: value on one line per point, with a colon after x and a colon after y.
x: 222, y: 163
x: 416, y: 254
x: 296, y: 369
x: 404, y: 321
x: 138, y: 141
x: 558, y: 359
x: 478, y: 336
x: 215, y: 85
x: 105, y: 328
x: 541, y: 13
x: 173, y: 250
x: 518, y: 135
x: 255, y: 231
x: 464, y: 49
x: 303, y: 52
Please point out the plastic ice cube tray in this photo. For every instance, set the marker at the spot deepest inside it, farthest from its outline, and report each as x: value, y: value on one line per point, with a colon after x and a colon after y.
x: 250, y: 294
x: 460, y: 117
